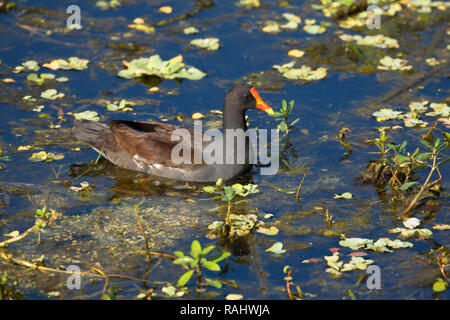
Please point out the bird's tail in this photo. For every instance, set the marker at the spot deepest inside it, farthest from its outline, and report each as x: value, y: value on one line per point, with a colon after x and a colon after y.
x: 92, y: 133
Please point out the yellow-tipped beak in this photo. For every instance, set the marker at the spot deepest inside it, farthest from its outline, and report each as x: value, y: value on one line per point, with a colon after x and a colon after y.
x: 260, y: 104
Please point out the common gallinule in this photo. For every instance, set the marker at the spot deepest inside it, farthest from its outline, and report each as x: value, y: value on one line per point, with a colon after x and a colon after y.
x: 147, y: 146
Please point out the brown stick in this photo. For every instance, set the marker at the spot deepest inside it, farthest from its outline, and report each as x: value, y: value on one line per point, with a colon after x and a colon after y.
x: 424, y: 186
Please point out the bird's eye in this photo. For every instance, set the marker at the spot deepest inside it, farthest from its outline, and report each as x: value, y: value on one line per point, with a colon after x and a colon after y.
x: 247, y: 97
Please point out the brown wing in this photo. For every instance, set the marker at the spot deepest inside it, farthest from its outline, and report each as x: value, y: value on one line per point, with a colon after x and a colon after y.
x: 150, y: 142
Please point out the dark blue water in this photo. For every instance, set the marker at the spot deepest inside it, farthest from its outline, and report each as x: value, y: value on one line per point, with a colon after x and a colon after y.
x: 345, y: 98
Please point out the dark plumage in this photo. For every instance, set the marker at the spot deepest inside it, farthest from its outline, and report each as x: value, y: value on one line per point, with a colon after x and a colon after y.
x: 147, y: 146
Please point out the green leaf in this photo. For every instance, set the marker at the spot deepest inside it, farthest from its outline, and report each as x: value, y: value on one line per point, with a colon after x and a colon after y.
x: 441, y: 146
x: 190, y: 30
x: 229, y: 193
x: 221, y: 256
x: 426, y: 143
x: 295, y: 121
x: 206, y: 250
x: 196, y: 249
x: 179, y: 254
x: 51, y: 94
x: 436, y: 143
x: 408, y: 185
x: 423, y: 155
x: 440, y: 285
x: 185, y: 278
x: 347, y: 3
x: 211, y: 265
x: 419, y: 167
x: 214, y: 283
x: 268, y: 231
x: 443, y: 161
x: 391, y: 146
x: 277, y: 114
x: 345, y: 195
x: 170, y: 69
x: 277, y: 248
x: 87, y: 115
x: 170, y: 290
x: 290, y: 107
x: 355, y: 243
x: 283, y: 105
x: 402, y: 158
x: 206, y: 43
x: 183, y: 260
x: 238, y: 188
x: 209, y: 189
x: 403, y: 145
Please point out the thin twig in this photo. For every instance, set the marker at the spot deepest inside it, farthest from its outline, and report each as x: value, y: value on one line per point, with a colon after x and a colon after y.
x: 298, y: 191
x: 17, y: 238
x: 424, y: 186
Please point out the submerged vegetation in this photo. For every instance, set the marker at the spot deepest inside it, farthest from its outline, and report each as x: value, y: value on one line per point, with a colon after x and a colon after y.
x: 349, y: 69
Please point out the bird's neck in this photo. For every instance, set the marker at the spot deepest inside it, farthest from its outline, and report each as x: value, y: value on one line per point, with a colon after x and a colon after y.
x: 233, y: 119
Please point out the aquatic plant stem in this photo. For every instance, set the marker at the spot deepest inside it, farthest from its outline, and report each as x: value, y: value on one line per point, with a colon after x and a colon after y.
x: 19, y: 237
x: 227, y: 219
x: 424, y: 186
x: 297, y: 196
x: 141, y: 228
x: 288, y: 284
x: 89, y: 169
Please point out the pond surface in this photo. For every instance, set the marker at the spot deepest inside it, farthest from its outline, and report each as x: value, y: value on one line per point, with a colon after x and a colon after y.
x: 99, y: 228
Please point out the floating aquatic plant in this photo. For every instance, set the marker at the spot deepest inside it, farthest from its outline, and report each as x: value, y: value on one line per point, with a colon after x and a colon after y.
x: 314, y: 29
x: 345, y: 195
x: 140, y: 25
x: 190, y: 30
x: 45, y: 156
x: 410, y: 229
x: 73, y: 63
x: 206, y: 43
x: 248, y: 3
x: 379, y: 40
x: 439, y: 109
x: 338, y: 267
x: 87, y: 115
x: 276, y: 248
x: 303, y: 73
x: 30, y: 65
x: 381, y: 245
x: 166, y: 9
x: 396, y: 64
x: 165, y: 69
x: 41, y: 78
x: 411, y: 120
x: 51, y: 94
x: 242, y: 225
x: 387, y: 114
x: 418, y: 106
x: 293, y: 21
x: 274, y: 27
x: 104, y: 5
x: 121, y: 107
x: 296, y: 53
